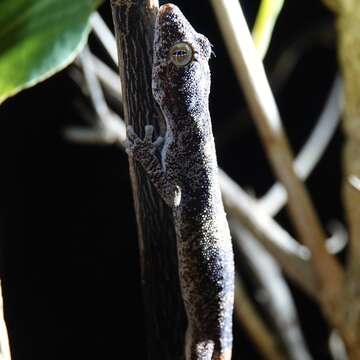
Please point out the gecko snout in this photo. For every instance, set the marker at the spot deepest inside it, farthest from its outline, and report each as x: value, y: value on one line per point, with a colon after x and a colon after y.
x: 166, y: 8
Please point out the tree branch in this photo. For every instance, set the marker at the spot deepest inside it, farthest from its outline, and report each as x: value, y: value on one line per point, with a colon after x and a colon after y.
x: 267, y: 15
x: 293, y: 257
x: 313, y: 149
x: 165, y: 317
x: 347, y: 313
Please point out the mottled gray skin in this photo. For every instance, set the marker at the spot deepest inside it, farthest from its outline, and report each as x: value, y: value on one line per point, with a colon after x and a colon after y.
x: 187, y: 179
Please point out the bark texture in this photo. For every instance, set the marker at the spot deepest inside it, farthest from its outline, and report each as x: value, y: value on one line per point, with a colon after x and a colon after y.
x: 165, y: 317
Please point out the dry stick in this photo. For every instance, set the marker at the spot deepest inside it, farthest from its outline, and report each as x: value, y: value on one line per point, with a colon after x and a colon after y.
x: 348, y: 30
x: 106, y: 74
x: 108, y: 124
x: 275, y: 295
x: 254, y: 325
x: 308, y: 157
x: 165, y: 316
x: 265, y: 21
x: 312, y: 151
x: 105, y: 36
x: 349, y: 43
x: 276, y: 298
x: 108, y: 128
x: 251, y: 74
x: 293, y: 257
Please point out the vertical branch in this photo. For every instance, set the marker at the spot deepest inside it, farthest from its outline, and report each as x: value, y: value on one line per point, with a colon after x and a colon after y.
x: 349, y: 51
x: 348, y: 28
x: 165, y: 318
x: 251, y: 74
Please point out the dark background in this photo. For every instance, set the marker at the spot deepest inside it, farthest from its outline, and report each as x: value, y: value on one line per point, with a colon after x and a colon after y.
x: 69, y: 253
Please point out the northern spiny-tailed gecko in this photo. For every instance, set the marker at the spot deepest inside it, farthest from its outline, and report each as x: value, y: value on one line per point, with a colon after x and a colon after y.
x: 186, y: 177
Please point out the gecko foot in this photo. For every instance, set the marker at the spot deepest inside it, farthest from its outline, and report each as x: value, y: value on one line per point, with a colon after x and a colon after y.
x: 141, y: 148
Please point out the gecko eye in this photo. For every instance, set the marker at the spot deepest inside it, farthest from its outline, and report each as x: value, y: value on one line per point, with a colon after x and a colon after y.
x: 181, y: 54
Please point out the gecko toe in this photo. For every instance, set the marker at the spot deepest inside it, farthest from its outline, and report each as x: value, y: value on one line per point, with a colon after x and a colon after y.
x: 149, y: 130
x: 159, y: 141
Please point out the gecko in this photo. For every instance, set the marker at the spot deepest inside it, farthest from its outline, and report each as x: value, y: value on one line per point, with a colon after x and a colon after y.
x: 182, y: 166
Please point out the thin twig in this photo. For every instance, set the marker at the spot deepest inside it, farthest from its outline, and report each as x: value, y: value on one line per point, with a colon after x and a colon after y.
x: 293, y: 257
x: 105, y: 74
x: 105, y: 35
x: 96, y: 93
x: 313, y: 149
x: 347, y: 314
x: 268, y: 13
x: 110, y: 128
x: 251, y: 74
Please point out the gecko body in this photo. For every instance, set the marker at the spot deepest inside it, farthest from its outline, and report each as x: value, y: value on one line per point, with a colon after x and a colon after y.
x: 186, y: 176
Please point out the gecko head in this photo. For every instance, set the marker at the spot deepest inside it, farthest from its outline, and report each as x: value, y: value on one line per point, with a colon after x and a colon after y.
x: 181, y: 75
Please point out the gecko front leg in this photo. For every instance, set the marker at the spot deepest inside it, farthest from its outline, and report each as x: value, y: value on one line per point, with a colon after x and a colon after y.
x: 144, y: 151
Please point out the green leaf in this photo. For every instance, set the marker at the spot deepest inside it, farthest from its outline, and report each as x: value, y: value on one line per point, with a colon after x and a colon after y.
x: 39, y: 38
